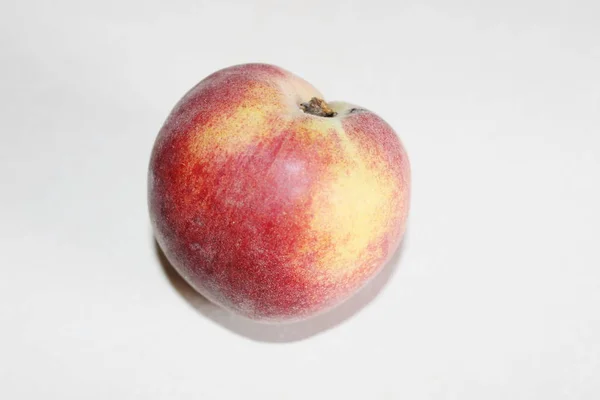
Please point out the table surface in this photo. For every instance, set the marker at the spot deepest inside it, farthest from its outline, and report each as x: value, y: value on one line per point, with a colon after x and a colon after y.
x: 495, y: 293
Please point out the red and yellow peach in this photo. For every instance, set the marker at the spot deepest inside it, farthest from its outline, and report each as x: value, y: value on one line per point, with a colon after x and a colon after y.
x: 271, y: 202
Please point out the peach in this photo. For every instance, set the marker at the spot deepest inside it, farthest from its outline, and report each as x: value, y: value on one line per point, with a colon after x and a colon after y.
x: 271, y: 202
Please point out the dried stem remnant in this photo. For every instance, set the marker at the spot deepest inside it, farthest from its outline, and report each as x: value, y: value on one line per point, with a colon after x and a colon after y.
x: 318, y: 107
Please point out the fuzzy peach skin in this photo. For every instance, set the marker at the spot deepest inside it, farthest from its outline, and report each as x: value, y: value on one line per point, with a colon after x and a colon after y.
x: 267, y: 210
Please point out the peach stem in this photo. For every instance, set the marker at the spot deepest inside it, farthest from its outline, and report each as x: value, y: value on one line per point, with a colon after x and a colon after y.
x: 318, y: 107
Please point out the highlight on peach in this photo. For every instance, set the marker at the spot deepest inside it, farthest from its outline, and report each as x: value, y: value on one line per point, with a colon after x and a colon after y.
x: 272, y: 202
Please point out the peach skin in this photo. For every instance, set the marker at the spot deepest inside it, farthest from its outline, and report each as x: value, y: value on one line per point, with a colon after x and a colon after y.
x: 270, y: 201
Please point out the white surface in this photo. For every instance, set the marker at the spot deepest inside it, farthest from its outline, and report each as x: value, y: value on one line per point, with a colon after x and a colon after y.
x: 496, y: 294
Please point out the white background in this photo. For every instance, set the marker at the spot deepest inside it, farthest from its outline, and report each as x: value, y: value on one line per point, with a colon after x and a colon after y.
x: 494, y: 295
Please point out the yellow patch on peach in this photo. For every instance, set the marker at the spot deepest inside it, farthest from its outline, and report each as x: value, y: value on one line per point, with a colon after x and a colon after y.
x: 232, y: 131
x: 355, y: 207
